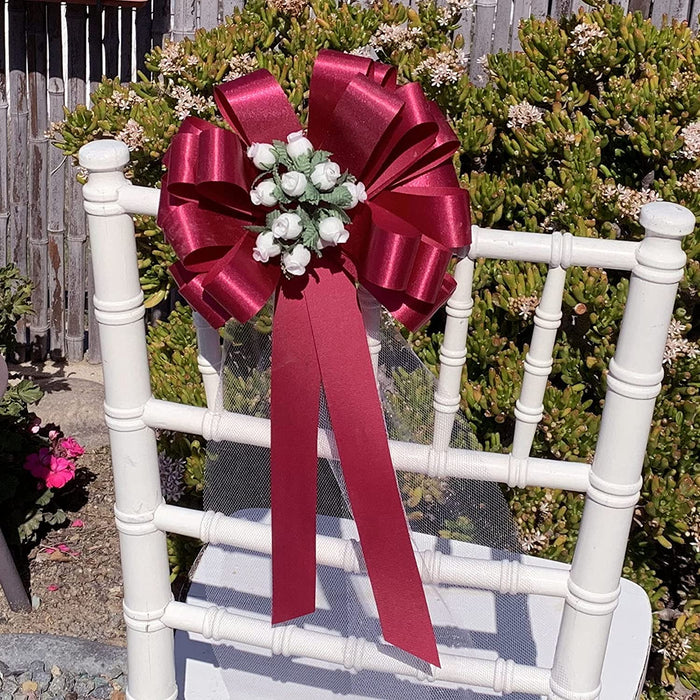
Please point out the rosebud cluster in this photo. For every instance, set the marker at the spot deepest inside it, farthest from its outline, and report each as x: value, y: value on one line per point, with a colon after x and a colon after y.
x: 309, y: 198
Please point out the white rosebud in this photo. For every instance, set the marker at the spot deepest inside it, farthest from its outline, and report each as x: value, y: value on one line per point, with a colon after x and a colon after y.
x: 287, y: 226
x: 332, y: 231
x: 321, y: 244
x: 263, y: 194
x: 325, y: 175
x: 294, y: 183
x: 357, y: 192
x: 298, y: 145
x: 296, y: 260
x: 265, y: 247
x: 262, y: 155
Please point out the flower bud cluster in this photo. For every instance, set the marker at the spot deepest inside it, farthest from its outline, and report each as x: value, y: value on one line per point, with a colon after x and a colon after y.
x: 308, y: 196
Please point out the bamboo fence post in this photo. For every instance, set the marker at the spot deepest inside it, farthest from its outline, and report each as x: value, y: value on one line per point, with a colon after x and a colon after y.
x: 76, y: 18
x: 95, y: 16
x: 38, y: 178
x: 17, y: 149
x: 671, y: 8
x: 521, y: 10
x: 144, y: 25
x: 484, y: 15
x: 208, y: 13
x: 126, y: 46
x: 4, y: 204
x: 538, y: 8
x: 56, y: 190
x: 228, y: 6
x: 184, y: 19
x: 111, y: 41
x: 501, y: 32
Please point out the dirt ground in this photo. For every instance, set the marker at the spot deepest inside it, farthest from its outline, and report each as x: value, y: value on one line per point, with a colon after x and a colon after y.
x: 77, y: 591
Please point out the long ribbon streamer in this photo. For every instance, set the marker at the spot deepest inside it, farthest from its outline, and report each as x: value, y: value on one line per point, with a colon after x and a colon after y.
x: 325, y: 342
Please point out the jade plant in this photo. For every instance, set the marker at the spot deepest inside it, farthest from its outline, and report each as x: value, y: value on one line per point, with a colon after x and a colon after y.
x: 596, y: 116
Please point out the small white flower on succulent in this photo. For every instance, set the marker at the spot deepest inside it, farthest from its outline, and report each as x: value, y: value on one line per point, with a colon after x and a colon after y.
x: 266, y: 247
x: 262, y: 155
x: 263, y: 194
x: 357, y: 192
x: 325, y: 175
x: 331, y: 230
x: 298, y: 145
x: 524, y: 114
x: 296, y: 260
x: 691, y: 141
x: 293, y: 183
x: 287, y: 226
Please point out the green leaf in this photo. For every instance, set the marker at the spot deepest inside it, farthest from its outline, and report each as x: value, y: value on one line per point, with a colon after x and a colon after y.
x: 280, y: 150
x: 309, y: 238
x: 306, y: 220
x: 269, y: 219
x: 340, y: 196
x: 280, y: 196
x: 257, y: 229
x: 319, y: 157
x: 311, y: 194
x: 302, y: 164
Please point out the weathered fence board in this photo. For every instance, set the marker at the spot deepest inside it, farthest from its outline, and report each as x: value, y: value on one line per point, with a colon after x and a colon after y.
x: 4, y: 202
x: 38, y: 177
x: 40, y: 229
x: 17, y: 146
x: 208, y: 13
x: 76, y: 276
x: 57, y: 189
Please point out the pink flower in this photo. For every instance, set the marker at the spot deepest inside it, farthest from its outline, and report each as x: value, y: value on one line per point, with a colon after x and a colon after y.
x: 38, y: 463
x: 72, y: 447
x: 53, y: 434
x: 77, y: 523
x: 62, y: 470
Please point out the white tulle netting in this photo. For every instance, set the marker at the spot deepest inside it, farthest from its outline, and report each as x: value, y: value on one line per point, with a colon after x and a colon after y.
x: 452, y: 516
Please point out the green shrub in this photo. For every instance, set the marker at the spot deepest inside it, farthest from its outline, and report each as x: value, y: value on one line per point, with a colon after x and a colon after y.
x: 597, y: 115
x: 38, y: 469
x: 15, y: 302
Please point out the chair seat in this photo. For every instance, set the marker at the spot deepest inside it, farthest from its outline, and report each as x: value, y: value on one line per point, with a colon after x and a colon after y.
x: 467, y: 622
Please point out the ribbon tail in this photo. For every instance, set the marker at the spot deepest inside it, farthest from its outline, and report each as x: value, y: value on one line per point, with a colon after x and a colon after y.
x: 295, y: 398
x: 358, y: 423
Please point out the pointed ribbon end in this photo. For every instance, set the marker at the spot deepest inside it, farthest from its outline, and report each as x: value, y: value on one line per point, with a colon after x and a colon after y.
x: 421, y: 646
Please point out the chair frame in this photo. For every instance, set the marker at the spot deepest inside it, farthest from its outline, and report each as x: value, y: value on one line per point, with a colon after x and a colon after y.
x: 590, y: 589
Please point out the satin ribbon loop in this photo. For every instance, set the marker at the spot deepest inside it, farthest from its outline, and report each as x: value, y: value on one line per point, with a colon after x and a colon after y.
x: 256, y: 107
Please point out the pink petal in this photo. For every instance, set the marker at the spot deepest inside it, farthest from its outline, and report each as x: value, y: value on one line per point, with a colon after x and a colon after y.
x: 52, y: 587
x: 77, y: 523
x: 63, y: 548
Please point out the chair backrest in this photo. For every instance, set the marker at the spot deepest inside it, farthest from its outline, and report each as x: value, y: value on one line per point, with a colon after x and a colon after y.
x: 611, y: 484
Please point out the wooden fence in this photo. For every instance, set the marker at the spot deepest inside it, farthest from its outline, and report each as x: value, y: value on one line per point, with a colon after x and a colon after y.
x: 55, y: 56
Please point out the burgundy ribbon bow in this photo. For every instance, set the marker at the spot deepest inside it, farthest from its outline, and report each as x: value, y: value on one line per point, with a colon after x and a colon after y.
x: 401, y: 241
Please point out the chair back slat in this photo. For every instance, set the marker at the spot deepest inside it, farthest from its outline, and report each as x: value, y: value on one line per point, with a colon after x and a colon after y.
x: 529, y: 408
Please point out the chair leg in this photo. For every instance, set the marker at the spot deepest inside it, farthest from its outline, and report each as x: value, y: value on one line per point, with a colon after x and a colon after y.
x: 119, y: 312
x: 633, y: 382
x: 10, y: 580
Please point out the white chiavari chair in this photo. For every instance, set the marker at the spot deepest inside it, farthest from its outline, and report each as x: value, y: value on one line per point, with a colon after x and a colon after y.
x: 584, y: 623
